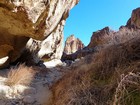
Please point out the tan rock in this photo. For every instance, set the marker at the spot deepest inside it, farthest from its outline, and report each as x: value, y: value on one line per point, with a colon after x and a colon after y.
x: 72, y: 45
x: 24, y: 19
x: 11, y: 47
x: 3, y: 60
x: 51, y: 47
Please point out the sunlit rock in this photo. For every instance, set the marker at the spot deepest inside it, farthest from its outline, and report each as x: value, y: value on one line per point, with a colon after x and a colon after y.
x: 37, y: 19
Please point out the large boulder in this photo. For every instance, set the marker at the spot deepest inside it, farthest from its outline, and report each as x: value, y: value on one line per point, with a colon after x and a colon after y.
x: 72, y: 45
x: 51, y: 47
x: 24, y: 19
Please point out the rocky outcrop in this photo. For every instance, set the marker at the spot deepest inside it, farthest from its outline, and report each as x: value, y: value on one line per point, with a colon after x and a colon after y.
x: 68, y: 58
x: 37, y: 19
x: 51, y: 47
x: 97, y: 37
x: 99, y: 40
x: 134, y: 21
x: 72, y: 45
x: 96, y: 40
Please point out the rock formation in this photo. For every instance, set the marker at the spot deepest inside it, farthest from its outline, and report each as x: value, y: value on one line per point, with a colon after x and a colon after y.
x: 97, y: 37
x: 72, y: 45
x: 134, y: 21
x: 96, y: 40
x: 49, y: 48
x: 37, y: 19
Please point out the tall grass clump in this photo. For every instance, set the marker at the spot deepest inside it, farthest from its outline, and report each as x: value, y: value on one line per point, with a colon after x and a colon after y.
x: 20, y: 75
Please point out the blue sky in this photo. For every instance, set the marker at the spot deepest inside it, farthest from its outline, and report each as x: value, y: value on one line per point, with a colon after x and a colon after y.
x: 92, y: 15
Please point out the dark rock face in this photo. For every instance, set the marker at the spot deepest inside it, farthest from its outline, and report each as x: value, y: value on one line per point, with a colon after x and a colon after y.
x: 97, y: 36
x: 72, y: 45
x: 78, y: 54
x: 134, y: 21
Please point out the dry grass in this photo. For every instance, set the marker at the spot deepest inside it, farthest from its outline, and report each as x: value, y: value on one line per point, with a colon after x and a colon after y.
x: 122, y: 94
x: 106, y: 78
x: 20, y: 75
x: 117, y: 38
x: 65, y: 89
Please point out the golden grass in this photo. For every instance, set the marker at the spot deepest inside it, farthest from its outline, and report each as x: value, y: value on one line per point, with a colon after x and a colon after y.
x: 20, y: 75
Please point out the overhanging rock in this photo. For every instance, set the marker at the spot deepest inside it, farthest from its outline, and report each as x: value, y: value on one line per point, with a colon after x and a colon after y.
x: 24, y: 19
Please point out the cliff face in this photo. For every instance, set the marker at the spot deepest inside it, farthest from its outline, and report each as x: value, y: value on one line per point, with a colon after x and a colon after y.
x: 134, y: 21
x: 51, y: 47
x: 132, y: 24
x: 72, y: 45
x: 37, y: 19
x: 97, y: 37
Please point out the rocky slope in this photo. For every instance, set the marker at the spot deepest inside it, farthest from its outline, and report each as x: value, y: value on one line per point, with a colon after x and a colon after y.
x: 110, y: 75
x: 37, y: 92
x: 105, y: 77
x: 37, y: 19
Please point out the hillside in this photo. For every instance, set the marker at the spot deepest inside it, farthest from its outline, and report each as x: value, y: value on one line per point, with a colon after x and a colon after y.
x: 111, y: 76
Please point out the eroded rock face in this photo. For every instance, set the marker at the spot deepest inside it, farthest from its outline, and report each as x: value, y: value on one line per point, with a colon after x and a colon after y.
x: 97, y: 36
x: 51, y: 47
x: 134, y: 21
x: 74, y: 48
x: 11, y: 47
x: 96, y: 41
x: 37, y: 19
x: 72, y: 45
